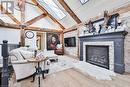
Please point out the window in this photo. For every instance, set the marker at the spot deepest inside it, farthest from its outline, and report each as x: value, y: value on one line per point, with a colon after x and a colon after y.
x: 83, y: 1
x: 52, y: 8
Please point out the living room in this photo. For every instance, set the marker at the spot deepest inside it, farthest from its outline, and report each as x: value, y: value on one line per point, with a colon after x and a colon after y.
x: 64, y: 43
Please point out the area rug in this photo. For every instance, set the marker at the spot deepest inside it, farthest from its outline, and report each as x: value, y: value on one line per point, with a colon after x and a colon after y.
x: 83, y: 67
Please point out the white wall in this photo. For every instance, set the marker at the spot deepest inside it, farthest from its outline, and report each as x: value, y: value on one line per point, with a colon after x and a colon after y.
x: 72, y: 51
x: 126, y: 17
x: 12, y: 35
x: 94, y: 7
x: 32, y: 11
x: 67, y: 21
x: 31, y: 42
x: 0, y: 53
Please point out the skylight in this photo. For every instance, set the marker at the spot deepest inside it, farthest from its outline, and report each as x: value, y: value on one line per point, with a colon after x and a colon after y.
x: 83, y: 1
x: 52, y: 8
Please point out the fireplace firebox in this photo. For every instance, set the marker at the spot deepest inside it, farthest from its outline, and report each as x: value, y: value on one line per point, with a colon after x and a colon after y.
x: 98, y: 55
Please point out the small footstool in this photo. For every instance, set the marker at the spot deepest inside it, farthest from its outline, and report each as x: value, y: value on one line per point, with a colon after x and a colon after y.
x: 53, y: 58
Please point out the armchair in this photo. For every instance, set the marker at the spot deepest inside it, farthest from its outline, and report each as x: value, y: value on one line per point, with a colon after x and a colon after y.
x: 59, y: 50
x: 21, y: 66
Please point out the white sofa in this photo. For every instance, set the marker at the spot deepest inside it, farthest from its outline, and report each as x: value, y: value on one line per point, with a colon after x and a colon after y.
x: 21, y: 66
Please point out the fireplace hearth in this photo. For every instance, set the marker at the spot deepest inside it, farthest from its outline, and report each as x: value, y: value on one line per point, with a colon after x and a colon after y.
x: 98, y: 55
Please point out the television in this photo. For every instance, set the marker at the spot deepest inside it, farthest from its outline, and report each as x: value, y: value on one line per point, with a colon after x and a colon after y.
x: 70, y: 42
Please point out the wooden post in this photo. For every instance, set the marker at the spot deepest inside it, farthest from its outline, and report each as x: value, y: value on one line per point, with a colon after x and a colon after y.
x: 62, y: 40
x: 22, y: 35
x: 5, y: 70
x: 22, y: 7
x: 78, y: 54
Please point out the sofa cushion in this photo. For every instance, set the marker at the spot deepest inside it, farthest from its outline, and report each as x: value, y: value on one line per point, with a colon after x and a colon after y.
x: 49, y: 54
x: 23, y: 48
x: 16, y: 53
x: 26, y: 54
x: 40, y: 55
x: 13, y: 57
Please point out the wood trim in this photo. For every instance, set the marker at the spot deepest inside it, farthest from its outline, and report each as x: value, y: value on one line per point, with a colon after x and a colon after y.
x: 44, y: 29
x: 22, y: 36
x: 15, y: 26
x: 35, y: 19
x: 78, y: 49
x: 122, y: 9
x: 68, y: 9
x: 69, y: 30
x: 45, y: 11
x: 119, y: 10
x: 62, y: 41
x: 10, y: 15
x: 8, y: 25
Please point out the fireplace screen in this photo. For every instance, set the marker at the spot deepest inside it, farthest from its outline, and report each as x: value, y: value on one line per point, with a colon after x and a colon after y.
x: 98, y: 55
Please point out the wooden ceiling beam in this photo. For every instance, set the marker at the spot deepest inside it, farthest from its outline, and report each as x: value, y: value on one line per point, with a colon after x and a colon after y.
x: 122, y: 9
x: 69, y: 30
x: 8, y: 25
x: 43, y: 29
x: 45, y: 11
x: 35, y: 19
x: 68, y: 9
x: 10, y: 15
x: 16, y: 26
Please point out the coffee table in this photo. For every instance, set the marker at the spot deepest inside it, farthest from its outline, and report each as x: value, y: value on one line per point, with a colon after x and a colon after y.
x: 38, y: 68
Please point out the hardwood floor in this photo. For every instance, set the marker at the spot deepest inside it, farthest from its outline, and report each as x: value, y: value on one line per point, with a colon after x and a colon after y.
x: 73, y: 78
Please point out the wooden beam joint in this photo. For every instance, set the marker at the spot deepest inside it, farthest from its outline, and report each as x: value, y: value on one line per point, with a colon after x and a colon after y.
x: 35, y: 19
x: 50, y: 16
x: 68, y: 9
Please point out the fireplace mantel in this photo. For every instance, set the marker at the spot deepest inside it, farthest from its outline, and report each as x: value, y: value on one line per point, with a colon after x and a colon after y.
x: 122, y: 33
x: 118, y: 41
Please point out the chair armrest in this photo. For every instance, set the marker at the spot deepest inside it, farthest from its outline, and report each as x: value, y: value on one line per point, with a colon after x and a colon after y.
x: 19, y: 62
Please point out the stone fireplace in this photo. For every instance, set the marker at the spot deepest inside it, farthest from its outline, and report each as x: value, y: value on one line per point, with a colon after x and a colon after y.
x: 104, y: 50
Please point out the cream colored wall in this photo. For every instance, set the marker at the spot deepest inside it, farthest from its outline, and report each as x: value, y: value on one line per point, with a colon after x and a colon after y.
x: 31, y: 42
x: 11, y: 35
x: 43, y: 40
x: 126, y: 17
x: 67, y: 21
x: 72, y: 51
x: 94, y: 7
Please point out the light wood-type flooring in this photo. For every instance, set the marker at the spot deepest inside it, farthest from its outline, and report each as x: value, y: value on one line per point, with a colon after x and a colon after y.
x: 73, y: 78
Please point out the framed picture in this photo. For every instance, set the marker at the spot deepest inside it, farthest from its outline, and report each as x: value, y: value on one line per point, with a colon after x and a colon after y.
x: 98, y: 25
x: 83, y: 1
x: 52, y: 40
x: 112, y: 22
